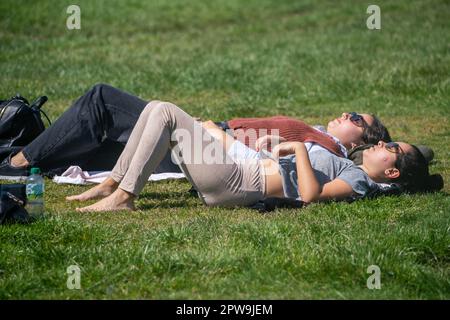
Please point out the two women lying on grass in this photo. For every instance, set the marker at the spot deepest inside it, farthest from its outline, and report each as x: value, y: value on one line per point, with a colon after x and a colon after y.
x: 92, y: 134
x: 311, y: 171
x: 316, y: 176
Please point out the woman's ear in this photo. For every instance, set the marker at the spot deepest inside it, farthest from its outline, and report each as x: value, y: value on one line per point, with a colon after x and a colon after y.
x: 392, y: 173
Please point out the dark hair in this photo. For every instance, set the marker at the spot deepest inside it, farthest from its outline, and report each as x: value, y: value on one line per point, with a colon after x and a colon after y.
x: 414, y: 174
x: 376, y: 132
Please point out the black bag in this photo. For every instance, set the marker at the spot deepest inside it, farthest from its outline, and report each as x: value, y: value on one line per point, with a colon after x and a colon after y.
x: 20, y: 122
x: 271, y: 204
x: 12, y: 203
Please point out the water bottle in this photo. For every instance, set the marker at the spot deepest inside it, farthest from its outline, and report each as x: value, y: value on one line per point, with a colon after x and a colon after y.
x: 35, y: 193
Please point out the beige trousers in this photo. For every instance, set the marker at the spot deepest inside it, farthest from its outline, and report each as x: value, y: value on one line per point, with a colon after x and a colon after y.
x: 218, y: 179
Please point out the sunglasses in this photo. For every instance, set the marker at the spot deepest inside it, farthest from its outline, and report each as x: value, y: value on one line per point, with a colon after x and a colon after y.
x: 393, y: 147
x: 357, y: 119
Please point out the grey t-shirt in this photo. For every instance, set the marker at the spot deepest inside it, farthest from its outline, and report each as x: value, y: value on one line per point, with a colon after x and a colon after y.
x: 327, y: 167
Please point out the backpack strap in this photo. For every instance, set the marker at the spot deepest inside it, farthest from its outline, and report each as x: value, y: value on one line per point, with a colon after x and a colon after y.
x: 49, y: 122
x: 38, y: 103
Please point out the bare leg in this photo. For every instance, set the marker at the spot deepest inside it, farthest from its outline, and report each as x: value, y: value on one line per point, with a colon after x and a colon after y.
x: 19, y: 160
x: 104, y: 189
x: 118, y: 200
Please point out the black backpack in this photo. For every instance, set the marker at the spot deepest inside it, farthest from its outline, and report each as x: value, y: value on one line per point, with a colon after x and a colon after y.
x: 12, y: 204
x: 20, y: 122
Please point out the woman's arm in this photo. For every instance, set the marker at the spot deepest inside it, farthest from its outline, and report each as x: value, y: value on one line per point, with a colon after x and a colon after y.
x: 308, y: 186
x: 218, y: 134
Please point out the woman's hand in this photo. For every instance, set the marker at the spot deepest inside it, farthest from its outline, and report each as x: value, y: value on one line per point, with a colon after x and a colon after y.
x: 208, y: 124
x: 268, y: 141
x: 286, y: 148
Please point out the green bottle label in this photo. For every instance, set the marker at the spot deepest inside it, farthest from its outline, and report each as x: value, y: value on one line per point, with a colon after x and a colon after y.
x: 35, y: 191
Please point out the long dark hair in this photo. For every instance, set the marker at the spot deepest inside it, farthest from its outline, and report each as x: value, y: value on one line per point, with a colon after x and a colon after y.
x: 414, y: 173
x: 376, y: 132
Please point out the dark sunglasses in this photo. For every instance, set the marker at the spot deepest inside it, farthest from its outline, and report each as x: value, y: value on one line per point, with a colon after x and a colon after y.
x: 393, y: 147
x: 357, y: 119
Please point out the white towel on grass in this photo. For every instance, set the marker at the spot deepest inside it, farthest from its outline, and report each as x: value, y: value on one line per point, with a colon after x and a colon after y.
x: 76, y: 175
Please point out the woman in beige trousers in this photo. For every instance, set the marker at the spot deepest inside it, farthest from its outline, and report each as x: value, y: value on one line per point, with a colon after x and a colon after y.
x: 223, y: 181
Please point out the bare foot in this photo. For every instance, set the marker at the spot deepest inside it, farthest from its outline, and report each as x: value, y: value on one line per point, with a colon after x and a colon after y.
x: 118, y: 200
x: 102, y: 190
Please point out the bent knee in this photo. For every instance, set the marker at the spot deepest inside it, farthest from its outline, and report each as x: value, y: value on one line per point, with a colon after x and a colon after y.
x: 152, y: 104
x: 161, y: 106
x: 100, y: 86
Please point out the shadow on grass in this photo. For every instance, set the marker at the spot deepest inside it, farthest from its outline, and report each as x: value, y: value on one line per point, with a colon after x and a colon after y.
x: 168, y: 205
x: 166, y: 195
x: 174, y: 199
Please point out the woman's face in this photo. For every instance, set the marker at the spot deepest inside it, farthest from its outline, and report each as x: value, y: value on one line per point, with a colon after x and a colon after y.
x: 347, y: 131
x: 380, y: 162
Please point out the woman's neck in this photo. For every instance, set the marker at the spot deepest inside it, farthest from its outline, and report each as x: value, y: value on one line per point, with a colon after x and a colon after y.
x: 370, y: 174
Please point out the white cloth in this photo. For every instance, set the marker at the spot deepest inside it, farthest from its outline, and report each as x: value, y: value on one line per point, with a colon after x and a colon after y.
x: 76, y: 175
x: 239, y: 151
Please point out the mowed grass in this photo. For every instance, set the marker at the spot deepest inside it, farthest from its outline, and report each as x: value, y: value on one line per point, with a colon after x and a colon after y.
x: 223, y: 59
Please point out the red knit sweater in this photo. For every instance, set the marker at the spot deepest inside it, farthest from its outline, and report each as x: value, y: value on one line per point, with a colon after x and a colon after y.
x: 248, y: 130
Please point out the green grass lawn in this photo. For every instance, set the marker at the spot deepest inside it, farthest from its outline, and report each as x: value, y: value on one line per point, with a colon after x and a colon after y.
x: 221, y: 59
